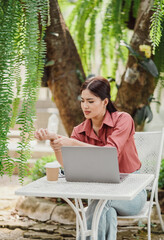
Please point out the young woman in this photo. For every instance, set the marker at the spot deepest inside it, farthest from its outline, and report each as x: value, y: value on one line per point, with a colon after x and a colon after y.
x: 104, y: 126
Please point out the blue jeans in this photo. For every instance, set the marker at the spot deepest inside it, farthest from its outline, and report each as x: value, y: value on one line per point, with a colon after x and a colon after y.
x: 107, y: 228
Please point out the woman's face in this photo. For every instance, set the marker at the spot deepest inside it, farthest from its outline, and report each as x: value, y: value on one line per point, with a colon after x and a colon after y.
x: 91, y: 105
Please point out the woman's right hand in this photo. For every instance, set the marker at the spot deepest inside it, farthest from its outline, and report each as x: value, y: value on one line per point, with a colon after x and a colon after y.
x: 61, y: 141
x: 43, y: 134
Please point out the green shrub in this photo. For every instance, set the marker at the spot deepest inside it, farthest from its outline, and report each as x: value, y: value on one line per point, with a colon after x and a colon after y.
x: 161, y: 176
x: 39, y: 170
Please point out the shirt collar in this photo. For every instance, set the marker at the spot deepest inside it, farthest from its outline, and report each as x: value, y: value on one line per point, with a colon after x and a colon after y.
x: 108, y: 119
x: 87, y: 125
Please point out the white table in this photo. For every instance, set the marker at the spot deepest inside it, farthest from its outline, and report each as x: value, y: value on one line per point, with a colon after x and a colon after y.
x: 125, y: 190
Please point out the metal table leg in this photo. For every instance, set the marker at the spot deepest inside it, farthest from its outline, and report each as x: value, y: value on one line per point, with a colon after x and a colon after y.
x: 96, y: 218
x: 80, y: 218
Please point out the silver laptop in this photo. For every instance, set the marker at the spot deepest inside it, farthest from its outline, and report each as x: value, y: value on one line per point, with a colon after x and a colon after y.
x: 91, y: 164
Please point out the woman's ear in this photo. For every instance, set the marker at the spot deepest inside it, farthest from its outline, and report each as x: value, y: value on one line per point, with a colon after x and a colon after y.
x: 106, y: 102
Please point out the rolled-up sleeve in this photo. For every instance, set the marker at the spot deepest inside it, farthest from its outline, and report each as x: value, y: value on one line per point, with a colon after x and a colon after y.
x: 123, y: 130
x: 76, y: 135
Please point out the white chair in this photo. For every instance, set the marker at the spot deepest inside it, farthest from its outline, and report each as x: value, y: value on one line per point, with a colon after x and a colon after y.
x: 149, y: 147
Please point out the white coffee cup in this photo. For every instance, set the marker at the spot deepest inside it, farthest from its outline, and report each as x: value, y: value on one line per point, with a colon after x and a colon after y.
x: 52, y: 171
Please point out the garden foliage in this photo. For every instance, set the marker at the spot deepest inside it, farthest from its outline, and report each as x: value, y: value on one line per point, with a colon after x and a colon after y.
x: 22, y: 46
x: 110, y: 19
x: 39, y: 170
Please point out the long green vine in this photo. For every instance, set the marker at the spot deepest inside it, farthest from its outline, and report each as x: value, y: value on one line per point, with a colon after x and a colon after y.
x: 156, y: 23
x: 23, y: 25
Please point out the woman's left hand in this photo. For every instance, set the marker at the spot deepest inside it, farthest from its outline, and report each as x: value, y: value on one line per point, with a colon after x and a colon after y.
x: 61, y: 141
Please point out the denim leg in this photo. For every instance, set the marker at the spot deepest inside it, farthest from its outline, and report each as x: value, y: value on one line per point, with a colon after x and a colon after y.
x: 107, y: 228
x: 129, y: 208
x: 111, y: 224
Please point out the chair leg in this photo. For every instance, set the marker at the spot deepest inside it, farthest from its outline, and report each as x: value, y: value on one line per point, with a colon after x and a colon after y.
x: 159, y: 215
x: 77, y: 228
x: 159, y: 209
x: 149, y: 228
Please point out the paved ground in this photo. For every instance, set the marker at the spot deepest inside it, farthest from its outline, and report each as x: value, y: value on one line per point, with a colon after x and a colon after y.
x: 12, y: 226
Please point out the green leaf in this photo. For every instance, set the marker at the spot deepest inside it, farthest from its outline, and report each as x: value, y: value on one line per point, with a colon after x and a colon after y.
x: 131, y: 50
x: 50, y: 63
x: 142, y: 114
x: 156, y: 23
x: 150, y: 67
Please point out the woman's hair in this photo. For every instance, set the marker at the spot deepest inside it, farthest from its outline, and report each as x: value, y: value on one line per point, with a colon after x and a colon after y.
x: 100, y: 87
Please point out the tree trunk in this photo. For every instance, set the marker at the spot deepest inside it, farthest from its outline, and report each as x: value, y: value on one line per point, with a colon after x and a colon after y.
x: 132, y: 96
x: 66, y: 74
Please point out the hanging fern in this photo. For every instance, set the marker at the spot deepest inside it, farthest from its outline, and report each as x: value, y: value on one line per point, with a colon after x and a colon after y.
x: 156, y: 20
x: 159, y: 53
x: 84, y: 30
x: 9, y: 18
x: 22, y: 31
x: 105, y: 39
x: 126, y: 9
x: 91, y: 36
x: 113, y: 16
x: 116, y: 19
x: 19, y: 45
x: 159, y: 61
x: 113, y: 30
x: 135, y: 7
x: 34, y: 52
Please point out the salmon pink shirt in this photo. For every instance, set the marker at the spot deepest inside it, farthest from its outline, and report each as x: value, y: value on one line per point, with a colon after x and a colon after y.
x: 117, y: 130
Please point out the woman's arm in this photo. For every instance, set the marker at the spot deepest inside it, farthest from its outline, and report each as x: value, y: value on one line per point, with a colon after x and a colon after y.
x: 59, y: 158
x: 76, y: 142
x: 43, y: 134
x: 57, y: 141
x: 65, y: 141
